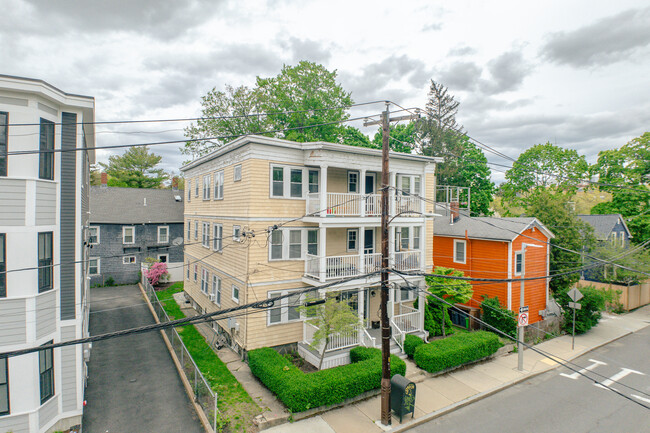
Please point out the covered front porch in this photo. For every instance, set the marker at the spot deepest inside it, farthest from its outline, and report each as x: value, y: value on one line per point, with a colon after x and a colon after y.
x: 403, y: 318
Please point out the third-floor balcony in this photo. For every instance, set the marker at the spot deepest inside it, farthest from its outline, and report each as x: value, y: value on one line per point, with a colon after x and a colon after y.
x: 324, y: 268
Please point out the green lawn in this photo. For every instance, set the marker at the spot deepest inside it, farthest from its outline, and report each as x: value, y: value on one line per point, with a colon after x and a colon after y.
x: 233, y: 400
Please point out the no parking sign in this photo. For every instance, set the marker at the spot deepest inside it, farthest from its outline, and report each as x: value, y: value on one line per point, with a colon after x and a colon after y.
x: 522, y: 319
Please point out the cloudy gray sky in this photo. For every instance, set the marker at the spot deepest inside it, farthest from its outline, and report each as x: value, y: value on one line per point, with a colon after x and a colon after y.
x: 574, y: 73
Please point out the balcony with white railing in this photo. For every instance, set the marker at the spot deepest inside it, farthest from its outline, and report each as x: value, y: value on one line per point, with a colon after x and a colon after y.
x: 408, y: 260
x: 338, y: 204
x: 337, y: 341
x: 332, y: 267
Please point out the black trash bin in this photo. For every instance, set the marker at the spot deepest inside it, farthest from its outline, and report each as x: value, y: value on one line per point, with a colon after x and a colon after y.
x: 402, y: 396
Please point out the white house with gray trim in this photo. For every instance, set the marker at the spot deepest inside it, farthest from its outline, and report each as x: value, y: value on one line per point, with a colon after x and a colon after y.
x: 43, y: 220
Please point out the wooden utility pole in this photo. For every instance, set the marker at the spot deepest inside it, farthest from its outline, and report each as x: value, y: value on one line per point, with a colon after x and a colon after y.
x: 385, y: 218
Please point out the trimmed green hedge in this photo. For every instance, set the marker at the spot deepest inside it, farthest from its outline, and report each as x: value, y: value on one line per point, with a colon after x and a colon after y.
x: 299, y: 391
x: 456, y: 350
x: 411, y: 342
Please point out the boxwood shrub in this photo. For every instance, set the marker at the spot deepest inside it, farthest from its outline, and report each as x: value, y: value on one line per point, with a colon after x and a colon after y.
x: 411, y: 342
x: 456, y: 350
x: 302, y: 391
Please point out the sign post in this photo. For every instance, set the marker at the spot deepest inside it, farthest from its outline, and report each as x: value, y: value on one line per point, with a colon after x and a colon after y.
x: 575, y: 295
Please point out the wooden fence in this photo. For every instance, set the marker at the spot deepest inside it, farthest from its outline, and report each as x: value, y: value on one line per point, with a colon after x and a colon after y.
x: 631, y: 296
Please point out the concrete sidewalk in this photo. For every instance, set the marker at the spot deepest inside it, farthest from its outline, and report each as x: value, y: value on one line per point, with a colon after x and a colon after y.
x: 438, y: 395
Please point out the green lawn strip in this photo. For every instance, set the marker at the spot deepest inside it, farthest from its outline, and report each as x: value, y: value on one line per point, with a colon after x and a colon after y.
x: 233, y: 400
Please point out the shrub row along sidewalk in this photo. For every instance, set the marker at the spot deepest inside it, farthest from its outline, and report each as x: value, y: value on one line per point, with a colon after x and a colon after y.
x: 232, y: 399
x: 301, y: 391
x: 452, y: 351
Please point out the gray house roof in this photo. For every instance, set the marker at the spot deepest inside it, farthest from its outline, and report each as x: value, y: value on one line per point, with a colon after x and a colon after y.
x: 498, y: 229
x: 604, y: 224
x: 110, y: 205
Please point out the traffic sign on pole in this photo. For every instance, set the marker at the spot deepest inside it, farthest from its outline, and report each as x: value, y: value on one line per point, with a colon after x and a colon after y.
x: 522, y: 319
x: 575, y: 305
x: 575, y: 295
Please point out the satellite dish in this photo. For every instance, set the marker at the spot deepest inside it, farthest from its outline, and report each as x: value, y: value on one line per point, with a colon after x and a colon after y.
x: 178, y: 241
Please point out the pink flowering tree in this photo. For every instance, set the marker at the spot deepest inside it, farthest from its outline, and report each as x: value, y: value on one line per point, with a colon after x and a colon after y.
x: 156, y: 272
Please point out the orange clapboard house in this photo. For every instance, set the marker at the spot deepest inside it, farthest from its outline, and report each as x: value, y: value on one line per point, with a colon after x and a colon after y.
x: 485, y: 247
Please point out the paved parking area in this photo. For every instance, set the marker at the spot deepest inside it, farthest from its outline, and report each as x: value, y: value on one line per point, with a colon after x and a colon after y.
x: 133, y: 385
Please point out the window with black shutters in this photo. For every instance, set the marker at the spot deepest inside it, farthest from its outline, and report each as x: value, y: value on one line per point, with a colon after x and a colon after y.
x: 4, y: 137
x: 45, y: 158
x: 46, y: 373
x: 44, y: 261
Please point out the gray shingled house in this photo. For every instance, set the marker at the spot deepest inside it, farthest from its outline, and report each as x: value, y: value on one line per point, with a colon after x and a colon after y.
x: 609, y: 227
x: 128, y: 225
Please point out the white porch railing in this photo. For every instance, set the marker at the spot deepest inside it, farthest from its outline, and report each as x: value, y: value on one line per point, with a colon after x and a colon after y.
x: 397, y: 334
x: 409, y: 206
x: 313, y: 202
x: 341, y: 266
x: 408, y: 260
x: 367, y: 340
x: 345, y: 204
x: 408, y: 321
x: 337, y: 341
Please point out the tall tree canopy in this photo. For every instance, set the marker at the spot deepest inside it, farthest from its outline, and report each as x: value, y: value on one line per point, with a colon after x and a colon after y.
x: 439, y: 132
x: 294, y: 100
x: 543, y: 167
x: 625, y: 173
x: 401, y: 138
x: 135, y: 169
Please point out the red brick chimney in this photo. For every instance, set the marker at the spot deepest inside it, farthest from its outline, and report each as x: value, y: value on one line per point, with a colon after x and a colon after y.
x: 104, y: 179
x: 174, y: 183
x: 454, y: 207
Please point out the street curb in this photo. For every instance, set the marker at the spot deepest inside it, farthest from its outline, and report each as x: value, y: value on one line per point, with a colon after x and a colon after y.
x: 181, y: 373
x: 480, y: 396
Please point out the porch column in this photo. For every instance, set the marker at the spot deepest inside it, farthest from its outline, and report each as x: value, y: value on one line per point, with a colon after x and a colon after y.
x: 362, y: 243
x: 392, y: 194
x: 423, y: 193
x: 361, y: 302
x: 391, y: 246
x: 322, y: 189
x: 391, y: 300
x: 422, y: 299
x: 322, y: 248
x: 423, y: 247
x: 362, y: 190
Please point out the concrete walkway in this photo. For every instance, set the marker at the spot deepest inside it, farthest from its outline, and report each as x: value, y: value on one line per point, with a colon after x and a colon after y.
x: 273, y: 411
x: 438, y: 395
x: 133, y: 385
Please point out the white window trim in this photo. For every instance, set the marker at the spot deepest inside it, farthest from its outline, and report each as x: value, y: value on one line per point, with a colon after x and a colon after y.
x: 456, y: 242
x: 196, y: 230
x: 189, y: 190
x: 347, y: 241
x: 284, y: 308
x: 206, y: 187
x: 167, y: 240
x: 216, y: 288
x: 358, y: 181
x: 165, y: 255
x: 217, y: 236
x: 205, y: 281
x: 411, y: 298
x: 621, y: 236
x: 285, y: 243
x: 232, y: 293
x: 218, y: 185
x: 196, y: 272
x: 188, y: 271
x: 514, y: 266
x: 98, y: 235
x: 237, y: 176
x: 196, y: 187
x: 236, y: 228
x: 614, y: 238
x: 124, y: 238
x: 99, y: 270
x: 286, y: 181
x: 126, y: 260
x: 189, y: 230
x: 205, y: 235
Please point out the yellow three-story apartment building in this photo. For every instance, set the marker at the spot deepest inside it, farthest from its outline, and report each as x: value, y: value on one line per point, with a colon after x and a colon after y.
x: 325, y: 200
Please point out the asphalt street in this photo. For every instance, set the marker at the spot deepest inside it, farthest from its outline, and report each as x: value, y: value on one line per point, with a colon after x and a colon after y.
x: 133, y: 385
x: 562, y: 401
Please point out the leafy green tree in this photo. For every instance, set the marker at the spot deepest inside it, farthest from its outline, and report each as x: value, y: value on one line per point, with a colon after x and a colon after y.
x: 570, y: 232
x: 543, y: 168
x: 501, y: 318
x: 625, y: 172
x: 401, y: 138
x: 135, y: 169
x: 308, y: 88
x: 451, y: 290
x: 331, y: 318
x: 635, y: 259
x: 439, y: 132
x: 225, y: 113
x: 353, y: 137
x: 589, y: 313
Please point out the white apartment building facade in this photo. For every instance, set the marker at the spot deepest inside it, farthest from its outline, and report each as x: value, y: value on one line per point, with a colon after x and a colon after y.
x: 43, y: 223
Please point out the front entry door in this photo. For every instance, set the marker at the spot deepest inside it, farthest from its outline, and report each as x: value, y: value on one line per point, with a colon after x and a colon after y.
x: 369, y: 241
x: 372, y: 203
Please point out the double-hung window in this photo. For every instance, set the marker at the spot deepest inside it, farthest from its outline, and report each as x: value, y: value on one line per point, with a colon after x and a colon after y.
x: 46, y: 156
x: 292, y: 181
x: 236, y: 233
x: 404, y: 238
x: 285, y: 310
x: 296, y: 182
x: 196, y: 230
x: 276, y: 245
x: 277, y: 180
x: 237, y: 173
x: 206, y: 187
x: 218, y: 185
x: 205, y: 278
x: 519, y: 262
x: 188, y: 270
x: 407, y: 293
x: 353, y: 239
x: 93, y: 266
x: 459, y: 251
x: 128, y: 235
x: 235, y: 293
x: 4, y: 386
x: 196, y: 187
x: 217, y: 240
x: 416, y: 238
x: 353, y: 182
x: 3, y: 266
x: 409, y: 184
x: 196, y: 272
x: 127, y: 260
x: 613, y: 238
x: 312, y: 242
x: 44, y: 261
x: 295, y: 244
x: 163, y: 234
x: 46, y: 373
x: 189, y: 230
x: 290, y: 244
x: 206, y: 235
x: 4, y: 138
x: 216, y: 289
x: 189, y: 189
x: 93, y: 235
x: 313, y: 181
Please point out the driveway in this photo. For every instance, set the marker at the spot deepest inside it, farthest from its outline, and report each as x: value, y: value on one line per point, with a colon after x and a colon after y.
x: 133, y: 385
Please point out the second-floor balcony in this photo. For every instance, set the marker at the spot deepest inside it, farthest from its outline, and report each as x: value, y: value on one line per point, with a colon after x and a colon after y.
x: 324, y: 268
x: 338, y: 204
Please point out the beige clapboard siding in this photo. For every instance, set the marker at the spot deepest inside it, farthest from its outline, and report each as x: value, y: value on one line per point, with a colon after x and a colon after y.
x: 430, y: 194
